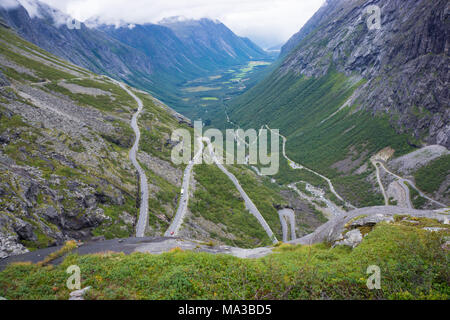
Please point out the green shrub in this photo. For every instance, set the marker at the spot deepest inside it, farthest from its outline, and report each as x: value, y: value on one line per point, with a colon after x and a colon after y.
x: 412, y: 262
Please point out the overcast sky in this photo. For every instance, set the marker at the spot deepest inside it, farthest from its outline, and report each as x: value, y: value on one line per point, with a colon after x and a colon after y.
x: 267, y: 22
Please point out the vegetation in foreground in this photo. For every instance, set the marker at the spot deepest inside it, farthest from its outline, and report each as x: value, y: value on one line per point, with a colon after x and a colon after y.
x: 413, y: 262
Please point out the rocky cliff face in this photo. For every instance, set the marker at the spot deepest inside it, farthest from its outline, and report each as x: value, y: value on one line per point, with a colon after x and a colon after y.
x: 344, y: 90
x: 405, y: 62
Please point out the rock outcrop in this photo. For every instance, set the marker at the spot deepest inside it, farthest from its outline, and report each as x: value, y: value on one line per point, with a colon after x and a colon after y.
x: 342, y: 230
x: 3, y: 80
x: 79, y: 294
x: 64, y: 214
x: 10, y: 246
x: 351, y: 239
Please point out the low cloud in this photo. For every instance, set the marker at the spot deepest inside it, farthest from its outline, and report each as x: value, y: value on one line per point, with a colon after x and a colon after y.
x: 33, y: 8
x: 9, y: 4
x: 268, y: 22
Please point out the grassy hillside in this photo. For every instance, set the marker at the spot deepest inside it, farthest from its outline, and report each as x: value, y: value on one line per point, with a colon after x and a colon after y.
x: 412, y: 262
x: 68, y: 132
x: 217, y: 201
x: 71, y: 130
x: 430, y: 177
x: 320, y: 134
x: 60, y: 161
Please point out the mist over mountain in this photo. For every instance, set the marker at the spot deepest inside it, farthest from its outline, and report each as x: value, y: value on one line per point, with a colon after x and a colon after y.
x: 47, y: 28
x: 173, y: 51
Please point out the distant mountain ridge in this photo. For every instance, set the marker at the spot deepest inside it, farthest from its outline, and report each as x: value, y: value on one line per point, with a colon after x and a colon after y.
x: 153, y: 57
x: 188, y: 46
x: 86, y: 47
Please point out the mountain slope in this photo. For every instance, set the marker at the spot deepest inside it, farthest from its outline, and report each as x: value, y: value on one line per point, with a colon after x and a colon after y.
x: 155, y: 58
x: 65, y: 137
x: 211, y: 44
x: 88, y: 48
x: 345, y: 92
x: 160, y: 44
x: 185, y: 52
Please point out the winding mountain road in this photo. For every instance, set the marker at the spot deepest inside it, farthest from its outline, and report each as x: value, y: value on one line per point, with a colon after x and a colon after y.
x: 294, y: 165
x: 182, y: 209
x: 184, y: 199
x: 402, y: 194
x: 142, y: 223
x: 285, y: 215
x: 404, y: 181
x: 376, y: 164
x: 248, y: 202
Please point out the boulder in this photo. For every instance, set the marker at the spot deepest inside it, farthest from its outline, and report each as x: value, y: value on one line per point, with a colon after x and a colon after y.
x: 79, y: 294
x: 91, y: 218
x: 90, y: 201
x: 51, y: 215
x: 127, y: 218
x: 10, y: 246
x: 5, y: 138
x: 351, y: 239
x: 24, y: 230
x: 100, y: 216
x: 32, y: 192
